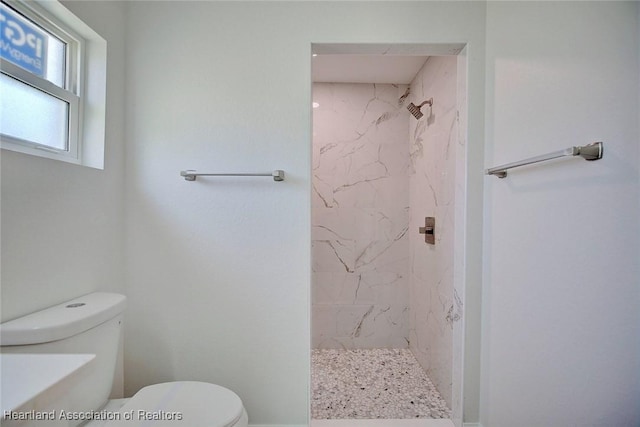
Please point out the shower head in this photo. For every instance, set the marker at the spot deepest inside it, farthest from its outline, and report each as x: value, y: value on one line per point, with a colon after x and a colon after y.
x: 416, y: 110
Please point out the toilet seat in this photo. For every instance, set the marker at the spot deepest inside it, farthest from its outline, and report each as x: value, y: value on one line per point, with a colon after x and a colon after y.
x: 181, y: 403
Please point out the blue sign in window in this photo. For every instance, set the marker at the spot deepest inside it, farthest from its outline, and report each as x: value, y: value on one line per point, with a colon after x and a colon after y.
x: 22, y: 42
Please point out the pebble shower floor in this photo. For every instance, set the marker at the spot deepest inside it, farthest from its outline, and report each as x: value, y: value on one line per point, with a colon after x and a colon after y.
x: 377, y: 383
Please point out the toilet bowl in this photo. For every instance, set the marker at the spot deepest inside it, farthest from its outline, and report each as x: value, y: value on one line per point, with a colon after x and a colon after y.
x: 92, y: 324
x: 188, y: 403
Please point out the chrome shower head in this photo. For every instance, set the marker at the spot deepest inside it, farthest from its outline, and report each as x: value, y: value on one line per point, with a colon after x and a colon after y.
x: 416, y: 110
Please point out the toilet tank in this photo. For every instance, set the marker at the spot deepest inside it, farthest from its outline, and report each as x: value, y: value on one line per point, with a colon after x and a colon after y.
x: 91, y: 324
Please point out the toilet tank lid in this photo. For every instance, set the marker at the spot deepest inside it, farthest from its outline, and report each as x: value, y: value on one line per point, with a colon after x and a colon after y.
x: 63, y: 320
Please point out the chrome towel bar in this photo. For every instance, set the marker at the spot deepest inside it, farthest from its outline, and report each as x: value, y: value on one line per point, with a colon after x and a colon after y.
x: 190, y: 175
x: 588, y: 152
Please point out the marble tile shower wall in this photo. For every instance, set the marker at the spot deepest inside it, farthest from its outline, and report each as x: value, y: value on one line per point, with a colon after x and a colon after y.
x: 434, y: 304
x: 360, y: 216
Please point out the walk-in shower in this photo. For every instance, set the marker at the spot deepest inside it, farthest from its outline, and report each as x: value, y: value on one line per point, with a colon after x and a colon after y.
x: 383, y: 301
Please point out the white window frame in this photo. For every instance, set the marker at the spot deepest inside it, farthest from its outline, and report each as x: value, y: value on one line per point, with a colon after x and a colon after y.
x: 85, y: 85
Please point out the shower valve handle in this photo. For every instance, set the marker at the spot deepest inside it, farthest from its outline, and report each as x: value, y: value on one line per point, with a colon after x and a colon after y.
x: 429, y: 230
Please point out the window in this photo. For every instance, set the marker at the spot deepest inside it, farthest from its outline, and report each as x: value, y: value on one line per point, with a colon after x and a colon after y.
x: 51, y: 83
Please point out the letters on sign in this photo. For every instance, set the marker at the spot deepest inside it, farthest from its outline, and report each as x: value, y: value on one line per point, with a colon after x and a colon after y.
x: 22, y: 42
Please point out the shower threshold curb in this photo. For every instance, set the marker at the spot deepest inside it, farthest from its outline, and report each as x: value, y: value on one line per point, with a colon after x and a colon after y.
x: 420, y: 422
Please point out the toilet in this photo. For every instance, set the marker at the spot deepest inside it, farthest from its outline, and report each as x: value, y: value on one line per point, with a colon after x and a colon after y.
x: 92, y: 324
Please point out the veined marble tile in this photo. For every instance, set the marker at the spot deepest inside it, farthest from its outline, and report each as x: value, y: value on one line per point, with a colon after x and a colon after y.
x: 359, y: 326
x: 341, y: 289
x: 322, y: 193
x: 351, y: 320
x: 381, y: 223
x: 433, y: 152
x: 387, y: 282
x: 378, y: 253
x: 333, y: 255
x: 360, y: 215
x: 335, y: 223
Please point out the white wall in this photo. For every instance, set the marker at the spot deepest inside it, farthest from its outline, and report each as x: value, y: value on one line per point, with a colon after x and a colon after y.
x: 560, y: 339
x: 62, y: 224
x: 218, y: 270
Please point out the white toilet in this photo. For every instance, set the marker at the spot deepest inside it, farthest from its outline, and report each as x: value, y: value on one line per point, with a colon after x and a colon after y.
x: 92, y: 324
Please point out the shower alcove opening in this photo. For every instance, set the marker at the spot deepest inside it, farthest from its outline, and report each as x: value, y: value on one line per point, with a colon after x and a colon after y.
x: 386, y: 306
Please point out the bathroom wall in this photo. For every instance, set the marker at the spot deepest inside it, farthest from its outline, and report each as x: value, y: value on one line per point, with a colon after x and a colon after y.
x: 434, y: 304
x: 219, y: 270
x: 557, y: 74
x: 561, y: 294
x: 360, y: 216
x: 62, y: 224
